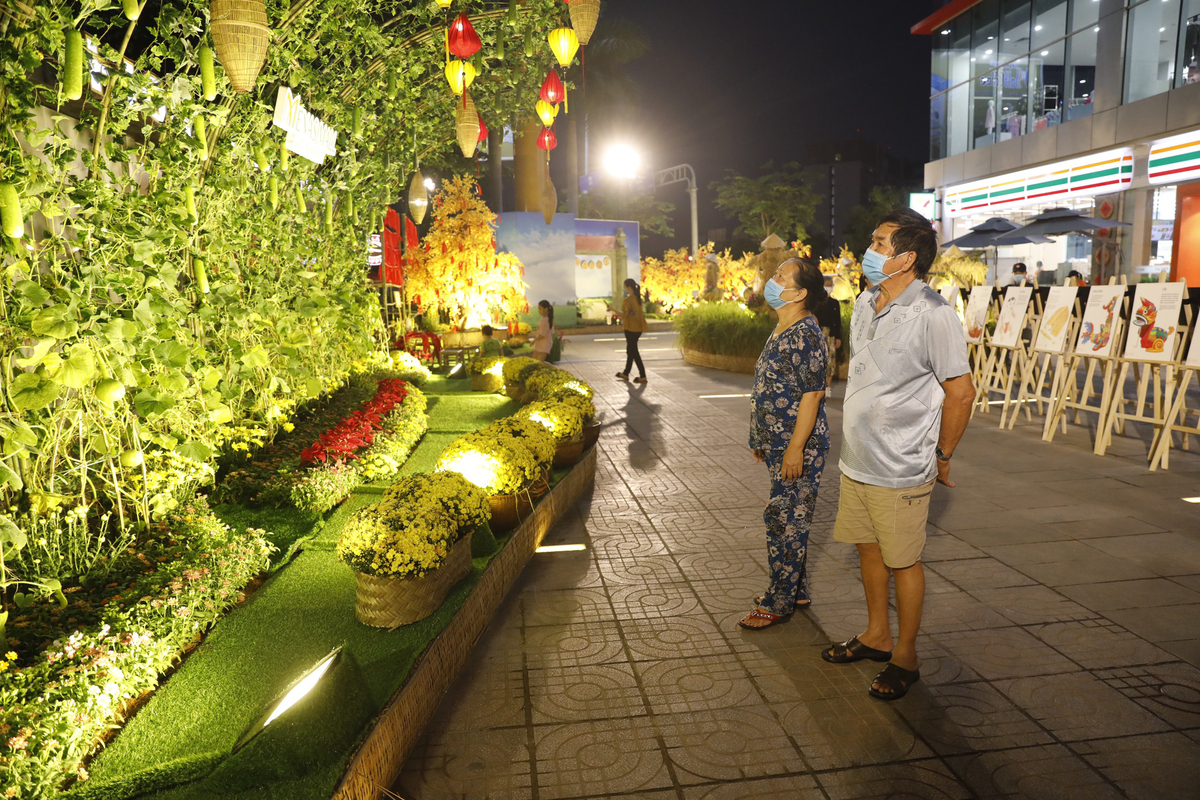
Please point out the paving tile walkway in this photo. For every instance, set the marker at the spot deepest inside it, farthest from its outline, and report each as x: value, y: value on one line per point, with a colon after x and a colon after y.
x: 1060, y: 657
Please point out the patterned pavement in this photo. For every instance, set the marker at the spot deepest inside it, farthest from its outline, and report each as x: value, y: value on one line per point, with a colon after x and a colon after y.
x: 1062, y: 628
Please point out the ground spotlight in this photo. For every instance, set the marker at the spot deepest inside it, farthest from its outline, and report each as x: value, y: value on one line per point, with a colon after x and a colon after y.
x: 295, y: 693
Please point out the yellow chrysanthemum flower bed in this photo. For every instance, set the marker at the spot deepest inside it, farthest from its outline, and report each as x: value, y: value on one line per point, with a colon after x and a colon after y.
x: 497, y: 463
x: 493, y: 365
x: 518, y: 370
x: 532, y: 436
x: 580, y: 403
x: 412, y: 530
x: 555, y: 383
x: 563, y: 421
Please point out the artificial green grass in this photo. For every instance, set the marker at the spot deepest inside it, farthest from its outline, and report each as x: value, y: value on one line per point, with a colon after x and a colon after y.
x: 284, y: 526
x: 178, y: 747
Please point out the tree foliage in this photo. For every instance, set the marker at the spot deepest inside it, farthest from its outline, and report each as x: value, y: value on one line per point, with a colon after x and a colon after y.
x: 652, y: 216
x: 881, y: 200
x: 779, y: 201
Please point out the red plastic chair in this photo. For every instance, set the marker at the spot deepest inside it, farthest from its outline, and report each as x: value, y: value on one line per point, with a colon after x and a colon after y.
x: 427, y: 347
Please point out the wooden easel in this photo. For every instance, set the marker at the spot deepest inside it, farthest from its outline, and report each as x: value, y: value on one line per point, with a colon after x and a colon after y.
x: 1177, y: 416
x: 977, y: 352
x: 1160, y: 377
x: 1051, y: 369
x: 1002, y: 367
x: 1070, y: 394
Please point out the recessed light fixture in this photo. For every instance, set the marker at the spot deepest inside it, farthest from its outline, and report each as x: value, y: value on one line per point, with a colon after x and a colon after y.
x: 1096, y: 29
x: 561, y: 548
x: 1083, y: 81
x: 1162, y: 30
x: 305, y: 684
x: 945, y: 33
x: 1045, y: 52
x: 1191, y: 499
x: 1037, y: 27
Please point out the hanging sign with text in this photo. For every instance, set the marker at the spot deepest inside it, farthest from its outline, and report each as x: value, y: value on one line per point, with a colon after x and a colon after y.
x: 307, y: 136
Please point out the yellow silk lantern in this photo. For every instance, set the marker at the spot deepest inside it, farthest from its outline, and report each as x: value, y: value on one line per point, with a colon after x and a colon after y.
x: 467, y: 126
x: 564, y: 44
x: 547, y: 112
x: 445, y: 3
x: 460, y: 75
x: 418, y: 197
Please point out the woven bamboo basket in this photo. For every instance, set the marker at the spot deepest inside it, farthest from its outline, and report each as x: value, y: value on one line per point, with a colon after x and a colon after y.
x: 515, y: 392
x: 584, y: 14
x: 569, y: 453
x: 508, y: 510
x: 486, y: 383
x: 542, y: 485
x: 467, y: 125
x: 240, y: 35
x: 392, y: 602
x: 591, y: 434
x: 743, y: 364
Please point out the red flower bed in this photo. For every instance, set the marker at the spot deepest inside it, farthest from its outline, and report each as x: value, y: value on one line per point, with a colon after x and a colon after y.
x: 357, y: 431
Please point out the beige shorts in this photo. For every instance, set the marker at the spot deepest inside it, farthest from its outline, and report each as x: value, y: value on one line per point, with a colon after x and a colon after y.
x: 894, y: 519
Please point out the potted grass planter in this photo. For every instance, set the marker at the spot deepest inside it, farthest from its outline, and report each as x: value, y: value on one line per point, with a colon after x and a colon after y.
x: 411, y: 548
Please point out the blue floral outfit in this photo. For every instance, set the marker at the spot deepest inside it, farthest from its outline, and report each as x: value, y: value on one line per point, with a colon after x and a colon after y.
x: 793, y: 363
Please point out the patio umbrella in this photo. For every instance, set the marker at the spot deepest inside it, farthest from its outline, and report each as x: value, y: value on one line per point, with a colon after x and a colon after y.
x: 981, y: 236
x: 1060, y: 221
x: 1005, y: 239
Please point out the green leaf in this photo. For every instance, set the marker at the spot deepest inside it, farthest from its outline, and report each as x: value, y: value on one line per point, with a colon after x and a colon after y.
x: 39, y: 352
x: 119, y: 329
x: 143, y: 314
x: 195, y: 451
x: 7, y: 475
x: 172, y: 353
x: 143, y: 250
x: 31, y: 391
x: 174, y: 382
x: 54, y: 321
x: 79, y: 369
x: 31, y: 293
x: 149, y: 403
x: 256, y: 358
x: 211, y: 378
x: 12, y: 538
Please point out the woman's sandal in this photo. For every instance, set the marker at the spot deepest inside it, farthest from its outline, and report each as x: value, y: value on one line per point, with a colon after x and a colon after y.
x: 897, y: 679
x: 854, y: 650
x: 758, y: 613
x: 800, y: 604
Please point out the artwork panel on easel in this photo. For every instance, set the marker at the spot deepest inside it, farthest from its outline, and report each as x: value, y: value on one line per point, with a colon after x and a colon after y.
x: 1154, y: 322
x: 977, y: 313
x: 1056, y: 319
x: 1193, y: 356
x: 1101, y: 314
x: 951, y: 294
x: 1012, y: 316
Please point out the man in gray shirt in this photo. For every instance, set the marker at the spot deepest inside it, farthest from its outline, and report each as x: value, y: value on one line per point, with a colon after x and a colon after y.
x: 908, y: 401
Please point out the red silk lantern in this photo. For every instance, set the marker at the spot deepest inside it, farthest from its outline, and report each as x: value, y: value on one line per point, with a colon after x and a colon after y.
x: 553, y: 90
x: 464, y: 41
x: 483, y: 130
x: 547, y: 140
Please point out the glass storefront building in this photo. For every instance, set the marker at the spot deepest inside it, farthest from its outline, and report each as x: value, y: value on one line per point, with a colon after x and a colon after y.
x: 1046, y: 85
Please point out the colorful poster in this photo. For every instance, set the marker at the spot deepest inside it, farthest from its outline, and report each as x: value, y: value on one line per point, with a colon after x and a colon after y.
x: 1102, y: 311
x: 977, y: 313
x: 1012, y: 316
x: 1056, y: 319
x: 1154, y: 322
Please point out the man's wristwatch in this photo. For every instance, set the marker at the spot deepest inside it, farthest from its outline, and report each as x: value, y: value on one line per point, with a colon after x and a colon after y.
x: 942, y: 456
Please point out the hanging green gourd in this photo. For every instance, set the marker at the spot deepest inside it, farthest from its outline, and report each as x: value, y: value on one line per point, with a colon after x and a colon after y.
x: 189, y: 202
x: 72, y: 79
x: 284, y: 155
x: 208, y: 75
x: 513, y: 14
x: 132, y: 8
x: 260, y: 157
x: 201, y: 131
x: 529, y: 46
x: 499, y: 51
x: 200, y: 274
x: 356, y: 123
x: 329, y: 213
x: 300, y: 205
x: 350, y: 210
x: 393, y: 84
x: 374, y: 220
x: 273, y: 183
x: 10, y: 211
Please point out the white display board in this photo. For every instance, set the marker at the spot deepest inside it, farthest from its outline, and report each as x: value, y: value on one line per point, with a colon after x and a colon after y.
x: 977, y: 313
x: 1012, y: 316
x: 1193, y: 356
x: 1102, y: 311
x: 1056, y: 319
x: 1154, y: 322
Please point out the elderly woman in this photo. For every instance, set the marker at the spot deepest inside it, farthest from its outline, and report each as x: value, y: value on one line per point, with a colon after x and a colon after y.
x: 789, y: 432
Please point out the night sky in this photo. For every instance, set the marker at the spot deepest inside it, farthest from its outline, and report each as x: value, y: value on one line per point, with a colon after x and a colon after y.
x: 730, y: 85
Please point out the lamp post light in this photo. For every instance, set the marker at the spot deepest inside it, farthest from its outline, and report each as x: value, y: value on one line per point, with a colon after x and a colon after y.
x: 625, y: 164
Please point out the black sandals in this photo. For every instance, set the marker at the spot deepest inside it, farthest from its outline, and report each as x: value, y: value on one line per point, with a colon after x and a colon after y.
x: 897, y: 679
x: 854, y: 650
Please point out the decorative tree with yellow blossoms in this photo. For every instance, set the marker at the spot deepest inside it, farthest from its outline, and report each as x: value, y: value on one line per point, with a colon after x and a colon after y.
x: 458, y: 269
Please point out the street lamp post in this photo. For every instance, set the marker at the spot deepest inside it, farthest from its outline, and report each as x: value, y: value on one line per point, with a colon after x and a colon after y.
x: 683, y: 174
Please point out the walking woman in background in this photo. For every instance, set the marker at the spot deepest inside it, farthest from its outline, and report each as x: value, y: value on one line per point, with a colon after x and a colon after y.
x: 543, y: 341
x: 789, y: 432
x: 633, y: 320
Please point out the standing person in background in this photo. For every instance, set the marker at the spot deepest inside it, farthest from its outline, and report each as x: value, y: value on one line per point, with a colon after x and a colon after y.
x: 543, y: 341
x: 829, y: 317
x: 1020, y: 275
x: 633, y: 320
x: 789, y: 432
